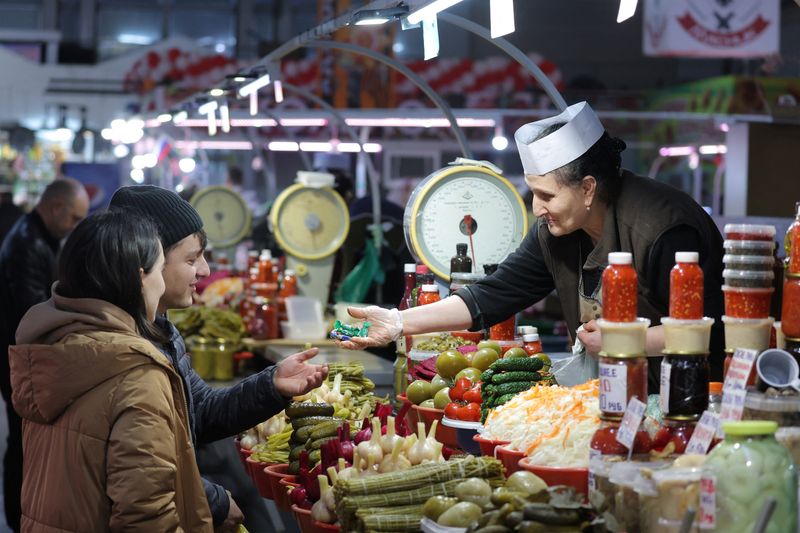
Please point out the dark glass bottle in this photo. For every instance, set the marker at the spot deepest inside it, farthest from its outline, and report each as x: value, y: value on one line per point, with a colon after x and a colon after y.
x: 461, y: 262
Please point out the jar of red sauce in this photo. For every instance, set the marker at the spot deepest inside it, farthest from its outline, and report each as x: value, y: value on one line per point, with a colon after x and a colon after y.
x: 686, y: 287
x: 749, y: 232
x: 790, y: 307
x: 619, y: 288
x: 429, y: 294
x: 676, y: 431
x: 531, y: 343
x: 604, y: 440
x: 621, y: 378
x: 504, y: 331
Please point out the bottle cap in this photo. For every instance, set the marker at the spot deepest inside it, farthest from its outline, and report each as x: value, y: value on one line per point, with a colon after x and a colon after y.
x: 430, y: 288
x: 461, y: 248
x: 252, y: 253
x: 490, y: 269
x: 410, y: 268
x: 422, y: 269
x: 715, y: 387
x: 527, y: 330
x: 530, y: 337
x: 620, y: 258
x: 687, y: 257
x: 289, y: 272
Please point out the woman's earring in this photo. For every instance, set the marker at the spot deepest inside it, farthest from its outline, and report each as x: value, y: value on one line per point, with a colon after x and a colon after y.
x: 588, y: 207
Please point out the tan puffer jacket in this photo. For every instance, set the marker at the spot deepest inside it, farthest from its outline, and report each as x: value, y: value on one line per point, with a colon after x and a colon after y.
x: 105, y: 437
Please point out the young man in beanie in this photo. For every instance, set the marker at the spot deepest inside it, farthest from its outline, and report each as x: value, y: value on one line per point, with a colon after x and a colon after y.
x: 214, y: 414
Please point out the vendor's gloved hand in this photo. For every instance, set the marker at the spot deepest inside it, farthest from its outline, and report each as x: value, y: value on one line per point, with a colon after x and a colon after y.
x: 386, y: 325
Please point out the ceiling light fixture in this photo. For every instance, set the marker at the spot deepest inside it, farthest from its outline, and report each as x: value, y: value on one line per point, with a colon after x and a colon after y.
x: 216, y: 92
x: 164, y: 117
x: 627, y: 8
x: 225, y: 118
x: 430, y: 10
x: 254, y: 103
x: 501, y: 15
x: 253, y: 86
x: 277, y: 87
x: 374, y: 17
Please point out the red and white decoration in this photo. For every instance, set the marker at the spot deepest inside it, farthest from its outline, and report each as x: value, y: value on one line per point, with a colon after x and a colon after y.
x: 711, y: 28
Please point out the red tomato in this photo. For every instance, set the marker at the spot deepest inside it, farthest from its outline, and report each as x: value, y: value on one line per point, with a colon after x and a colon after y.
x: 452, y: 411
x: 473, y: 394
x: 457, y: 391
x: 471, y: 412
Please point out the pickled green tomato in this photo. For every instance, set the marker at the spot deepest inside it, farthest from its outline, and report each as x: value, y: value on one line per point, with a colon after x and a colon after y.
x: 418, y: 391
x: 449, y: 363
x: 483, y: 358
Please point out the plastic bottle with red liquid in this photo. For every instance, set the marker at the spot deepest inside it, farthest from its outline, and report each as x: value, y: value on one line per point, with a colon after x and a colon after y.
x: 791, y: 243
x: 686, y: 287
x: 505, y: 330
x: 620, y: 289
x: 429, y: 295
x: 410, y: 281
x: 531, y: 343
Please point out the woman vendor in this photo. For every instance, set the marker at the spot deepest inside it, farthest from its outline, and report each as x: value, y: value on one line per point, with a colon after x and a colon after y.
x: 586, y: 206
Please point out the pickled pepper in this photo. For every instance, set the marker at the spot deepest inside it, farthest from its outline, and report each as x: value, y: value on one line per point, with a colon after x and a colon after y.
x: 619, y: 288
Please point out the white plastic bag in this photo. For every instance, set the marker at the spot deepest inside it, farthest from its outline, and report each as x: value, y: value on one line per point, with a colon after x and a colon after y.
x: 578, y: 369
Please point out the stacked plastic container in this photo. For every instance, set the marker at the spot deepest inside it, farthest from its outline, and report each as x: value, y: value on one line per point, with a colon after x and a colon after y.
x: 790, y: 306
x: 749, y: 283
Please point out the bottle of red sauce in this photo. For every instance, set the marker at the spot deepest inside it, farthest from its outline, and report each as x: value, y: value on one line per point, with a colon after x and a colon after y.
x: 686, y: 287
x: 620, y: 289
x: 429, y: 294
x: 532, y: 345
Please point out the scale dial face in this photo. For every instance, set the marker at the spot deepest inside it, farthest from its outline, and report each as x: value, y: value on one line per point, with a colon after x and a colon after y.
x: 226, y: 217
x: 310, y: 223
x: 435, y: 217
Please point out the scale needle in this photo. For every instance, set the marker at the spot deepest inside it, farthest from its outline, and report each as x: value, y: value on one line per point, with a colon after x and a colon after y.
x: 468, y: 222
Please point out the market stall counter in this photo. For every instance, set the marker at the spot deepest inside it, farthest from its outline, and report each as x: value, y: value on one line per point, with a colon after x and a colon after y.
x: 380, y: 371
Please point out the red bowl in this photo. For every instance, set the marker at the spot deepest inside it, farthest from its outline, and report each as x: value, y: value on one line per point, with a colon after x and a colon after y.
x: 411, y: 415
x: 444, y: 434
x: 552, y: 475
x: 243, y: 454
x: 276, y: 473
x: 257, y: 471
x: 510, y: 459
x: 304, y: 519
x: 488, y: 446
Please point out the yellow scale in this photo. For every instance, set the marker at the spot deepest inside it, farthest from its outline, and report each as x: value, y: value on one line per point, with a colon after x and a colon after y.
x: 434, y: 220
x: 226, y: 217
x: 310, y: 225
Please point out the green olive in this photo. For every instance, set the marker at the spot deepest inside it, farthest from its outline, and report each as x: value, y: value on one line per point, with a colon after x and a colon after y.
x: 461, y: 514
x: 436, y: 505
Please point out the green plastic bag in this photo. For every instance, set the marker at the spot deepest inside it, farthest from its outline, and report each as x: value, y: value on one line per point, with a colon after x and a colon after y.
x: 356, y: 285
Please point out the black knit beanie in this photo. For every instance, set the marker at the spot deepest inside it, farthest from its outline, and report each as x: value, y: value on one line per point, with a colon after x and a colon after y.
x: 175, y: 217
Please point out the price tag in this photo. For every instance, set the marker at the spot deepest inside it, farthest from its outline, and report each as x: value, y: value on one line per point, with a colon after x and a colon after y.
x: 708, y: 502
x: 613, y: 387
x: 703, y: 434
x: 732, y: 407
x: 663, y: 398
x: 630, y: 422
x: 592, y: 479
x: 739, y: 369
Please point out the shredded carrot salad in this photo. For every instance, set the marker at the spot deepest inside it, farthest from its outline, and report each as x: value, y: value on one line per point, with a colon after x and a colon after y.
x: 552, y: 425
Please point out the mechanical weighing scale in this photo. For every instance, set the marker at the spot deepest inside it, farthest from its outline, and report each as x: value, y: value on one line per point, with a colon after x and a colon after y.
x: 467, y: 201
x: 310, y: 222
x: 226, y: 217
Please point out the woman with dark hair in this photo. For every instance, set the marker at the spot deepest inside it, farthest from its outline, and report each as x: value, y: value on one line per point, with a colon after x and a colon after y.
x: 105, y: 438
x: 586, y: 206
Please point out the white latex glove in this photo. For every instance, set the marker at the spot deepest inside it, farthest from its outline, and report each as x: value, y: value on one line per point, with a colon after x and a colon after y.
x: 386, y: 325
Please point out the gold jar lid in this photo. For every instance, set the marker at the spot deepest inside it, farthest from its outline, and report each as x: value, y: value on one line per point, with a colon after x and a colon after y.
x: 678, y: 352
x: 682, y: 418
x: 622, y: 355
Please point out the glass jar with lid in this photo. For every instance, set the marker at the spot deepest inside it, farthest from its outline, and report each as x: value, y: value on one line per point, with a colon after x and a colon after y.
x: 741, y: 474
x: 621, y: 378
x: 464, y: 279
x: 684, y: 385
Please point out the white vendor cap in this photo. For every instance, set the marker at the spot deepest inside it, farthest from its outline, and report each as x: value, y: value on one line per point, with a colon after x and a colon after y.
x: 563, y: 146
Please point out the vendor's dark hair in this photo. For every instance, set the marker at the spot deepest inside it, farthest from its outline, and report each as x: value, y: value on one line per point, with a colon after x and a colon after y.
x: 602, y: 160
x: 101, y: 259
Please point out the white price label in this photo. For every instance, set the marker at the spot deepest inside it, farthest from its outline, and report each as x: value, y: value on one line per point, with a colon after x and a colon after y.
x: 630, y: 422
x: 708, y: 502
x: 703, y: 433
x: 592, y: 479
x: 663, y: 398
x: 732, y: 406
x: 739, y: 369
x: 613, y: 387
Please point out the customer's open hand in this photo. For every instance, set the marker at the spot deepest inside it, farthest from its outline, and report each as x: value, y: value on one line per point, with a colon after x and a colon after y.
x: 295, y: 377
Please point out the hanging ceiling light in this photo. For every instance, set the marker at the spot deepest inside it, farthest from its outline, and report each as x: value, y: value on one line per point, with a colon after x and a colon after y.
x: 501, y: 15
x: 430, y: 10
x: 627, y: 8
x: 374, y: 17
